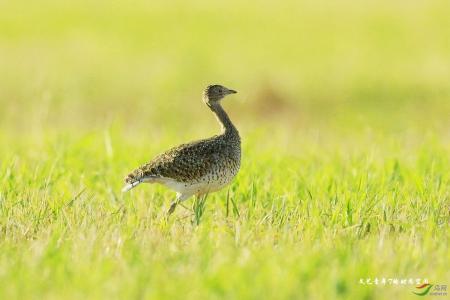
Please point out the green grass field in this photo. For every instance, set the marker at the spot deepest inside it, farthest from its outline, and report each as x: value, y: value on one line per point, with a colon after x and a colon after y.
x: 343, y: 110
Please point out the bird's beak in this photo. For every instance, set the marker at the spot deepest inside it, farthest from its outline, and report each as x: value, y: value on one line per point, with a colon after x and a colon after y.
x: 232, y: 92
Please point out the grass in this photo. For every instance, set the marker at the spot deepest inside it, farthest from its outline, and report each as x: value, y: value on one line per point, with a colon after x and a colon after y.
x: 343, y: 112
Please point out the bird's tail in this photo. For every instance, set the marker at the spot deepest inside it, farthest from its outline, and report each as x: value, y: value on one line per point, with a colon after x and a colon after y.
x: 131, y: 185
x: 135, y: 178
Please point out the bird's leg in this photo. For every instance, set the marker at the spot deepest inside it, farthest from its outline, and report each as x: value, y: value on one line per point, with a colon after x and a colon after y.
x: 183, y: 206
x: 174, y: 204
x: 172, y: 207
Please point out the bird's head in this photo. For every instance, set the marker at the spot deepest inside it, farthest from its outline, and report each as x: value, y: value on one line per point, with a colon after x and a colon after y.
x: 214, y: 93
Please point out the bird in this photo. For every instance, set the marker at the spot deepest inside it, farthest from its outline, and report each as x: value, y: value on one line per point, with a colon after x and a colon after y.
x: 199, y: 167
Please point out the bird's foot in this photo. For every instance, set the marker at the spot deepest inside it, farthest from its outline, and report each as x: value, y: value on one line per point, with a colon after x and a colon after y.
x: 172, y: 208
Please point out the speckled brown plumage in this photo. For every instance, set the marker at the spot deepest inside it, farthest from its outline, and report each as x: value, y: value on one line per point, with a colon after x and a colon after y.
x: 198, y: 167
x: 194, y: 160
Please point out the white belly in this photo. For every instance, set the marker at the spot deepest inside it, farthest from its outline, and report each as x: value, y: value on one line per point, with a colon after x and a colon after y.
x: 207, y: 184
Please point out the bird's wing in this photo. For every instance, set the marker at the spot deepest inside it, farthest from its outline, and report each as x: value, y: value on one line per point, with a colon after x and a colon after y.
x: 183, y: 163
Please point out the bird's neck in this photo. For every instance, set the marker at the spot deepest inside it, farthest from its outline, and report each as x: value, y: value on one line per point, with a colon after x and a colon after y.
x: 222, y: 117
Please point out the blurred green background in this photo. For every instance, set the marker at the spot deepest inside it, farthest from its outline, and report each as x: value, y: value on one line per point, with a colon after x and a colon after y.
x: 343, y: 108
x: 88, y: 64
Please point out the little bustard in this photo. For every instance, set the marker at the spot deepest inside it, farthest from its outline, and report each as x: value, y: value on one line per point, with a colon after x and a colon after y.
x: 199, y: 167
